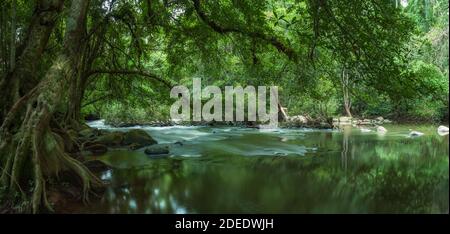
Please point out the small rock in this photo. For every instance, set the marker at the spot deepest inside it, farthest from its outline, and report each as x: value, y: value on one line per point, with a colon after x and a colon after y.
x: 415, y: 134
x: 443, y: 130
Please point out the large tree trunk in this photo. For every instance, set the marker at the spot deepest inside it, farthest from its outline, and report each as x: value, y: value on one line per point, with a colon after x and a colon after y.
x: 23, y: 75
x: 36, y: 144
x: 76, y: 93
x: 91, y: 51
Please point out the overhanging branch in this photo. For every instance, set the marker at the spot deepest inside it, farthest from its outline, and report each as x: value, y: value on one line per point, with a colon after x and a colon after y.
x: 274, y: 41
x: 131, y: 72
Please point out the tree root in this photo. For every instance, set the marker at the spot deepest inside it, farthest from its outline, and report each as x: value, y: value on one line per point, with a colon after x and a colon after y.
x: 36, y: 148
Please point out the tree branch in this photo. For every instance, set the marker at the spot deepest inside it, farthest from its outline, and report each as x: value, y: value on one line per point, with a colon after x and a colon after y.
x: 281, y: 47
x: 131, y: 72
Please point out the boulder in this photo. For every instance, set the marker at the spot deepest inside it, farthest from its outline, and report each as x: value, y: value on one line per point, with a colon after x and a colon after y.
x: 111, y: 139
x: 379, y: 119
x: 157, y: 150
x: 87, y: 133
x: 138, y: 138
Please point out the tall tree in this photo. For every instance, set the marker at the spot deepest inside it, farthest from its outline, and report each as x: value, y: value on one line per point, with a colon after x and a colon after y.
x: 32, y: 144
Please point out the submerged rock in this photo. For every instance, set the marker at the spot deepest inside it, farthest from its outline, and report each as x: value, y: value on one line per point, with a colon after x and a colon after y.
x: 157, y: 150
x: 137, y: 139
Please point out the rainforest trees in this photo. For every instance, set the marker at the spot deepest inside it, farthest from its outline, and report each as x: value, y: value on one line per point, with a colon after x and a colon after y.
x: 58, y: 56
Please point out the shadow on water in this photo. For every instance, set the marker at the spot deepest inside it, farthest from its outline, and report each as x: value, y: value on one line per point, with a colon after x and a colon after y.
x: 231, y: 170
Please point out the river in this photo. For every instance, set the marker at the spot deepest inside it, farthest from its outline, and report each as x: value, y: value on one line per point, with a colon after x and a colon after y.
x: 242, y: 170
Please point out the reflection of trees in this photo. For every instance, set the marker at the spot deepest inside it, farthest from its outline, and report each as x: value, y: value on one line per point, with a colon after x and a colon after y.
x: 398, y: 175
x: 344, y: 152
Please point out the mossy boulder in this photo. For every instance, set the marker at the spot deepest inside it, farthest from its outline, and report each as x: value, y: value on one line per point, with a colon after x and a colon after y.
x: 137, y: 138
x: 87, y: 133
x: 111, y: 139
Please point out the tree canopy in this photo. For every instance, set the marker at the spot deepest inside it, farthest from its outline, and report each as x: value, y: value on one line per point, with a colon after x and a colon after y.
x: 61, y: 60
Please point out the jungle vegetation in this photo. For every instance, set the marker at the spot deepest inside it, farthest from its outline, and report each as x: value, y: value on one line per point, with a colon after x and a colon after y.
x: 61, y: 60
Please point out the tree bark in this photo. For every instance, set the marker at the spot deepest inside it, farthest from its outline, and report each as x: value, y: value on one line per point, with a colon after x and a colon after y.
x: 23, y: 76
x: 3, y: 40
x: 345, y: 91
x: 13, y: 35
x: 35, y: 146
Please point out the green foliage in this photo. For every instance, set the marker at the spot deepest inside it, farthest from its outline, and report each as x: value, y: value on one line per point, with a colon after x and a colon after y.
x: 396, y: 57
x: 321, y: 101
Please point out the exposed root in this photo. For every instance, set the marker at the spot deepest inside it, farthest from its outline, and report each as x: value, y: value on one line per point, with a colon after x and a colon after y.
x: 36, y: 148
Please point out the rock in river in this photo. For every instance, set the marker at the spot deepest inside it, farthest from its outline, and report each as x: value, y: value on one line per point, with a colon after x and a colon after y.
x: 442, y: 130
x: 139, y: 138
x: 111, y: 139
x: 415, y: 134
x: 157, y: 150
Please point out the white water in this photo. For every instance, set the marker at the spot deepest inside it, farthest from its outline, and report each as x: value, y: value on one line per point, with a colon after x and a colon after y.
x: 198, y: 140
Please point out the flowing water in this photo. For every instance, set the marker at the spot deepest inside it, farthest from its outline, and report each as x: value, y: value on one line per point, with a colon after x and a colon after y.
x: 240, y: 170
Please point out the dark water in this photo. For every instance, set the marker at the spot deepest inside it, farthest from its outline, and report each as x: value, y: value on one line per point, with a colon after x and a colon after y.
x: 232, y: 170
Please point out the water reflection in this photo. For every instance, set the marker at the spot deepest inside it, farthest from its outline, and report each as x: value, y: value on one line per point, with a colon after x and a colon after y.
x: 344, y: 171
